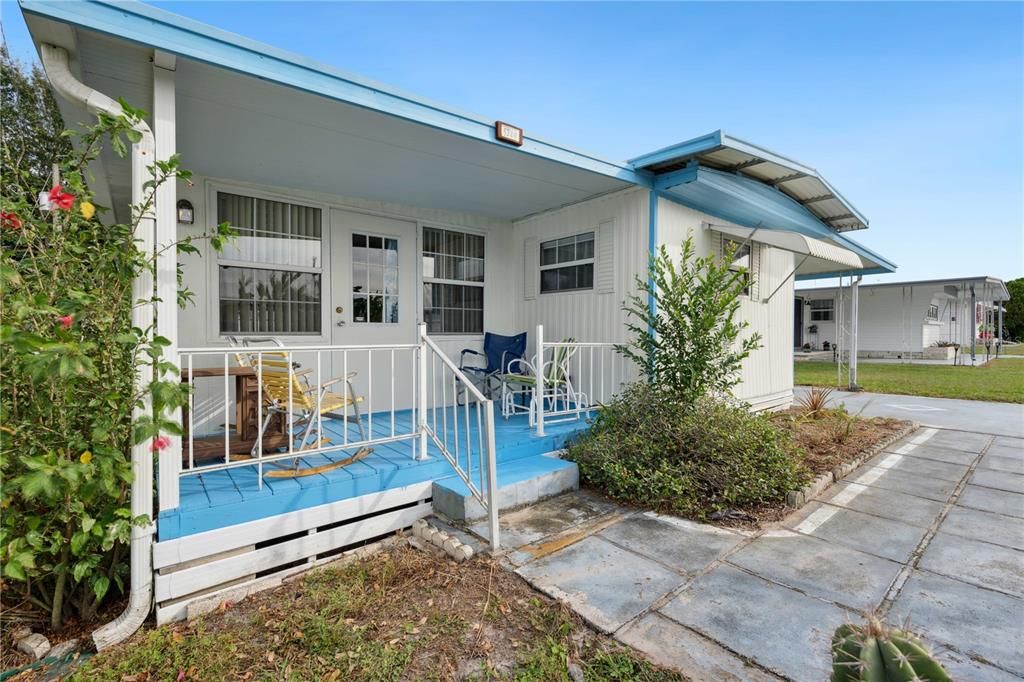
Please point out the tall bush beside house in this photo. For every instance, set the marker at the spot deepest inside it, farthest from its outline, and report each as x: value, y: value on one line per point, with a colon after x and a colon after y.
x: 688, y: 343
x: 676, y: 441
x: 68, y: 366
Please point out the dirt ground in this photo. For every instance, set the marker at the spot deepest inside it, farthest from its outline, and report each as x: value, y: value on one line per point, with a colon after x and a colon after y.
x: 835, y: 437
x: 401, y: 614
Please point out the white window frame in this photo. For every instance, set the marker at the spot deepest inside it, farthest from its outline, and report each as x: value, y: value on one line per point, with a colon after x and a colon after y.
x: 214, y: 261
x: 831, y: 310
x: 736, y: 262
x: 424, y: 280
x: 928, y: 313
x: 352, y: 294
x: 565, y: 264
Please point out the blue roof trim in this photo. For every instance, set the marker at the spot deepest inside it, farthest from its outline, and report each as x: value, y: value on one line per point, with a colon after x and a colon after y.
x: 143, y: 24
x: 697, y: 145
x: 720, y: 140
x: 749, y: 203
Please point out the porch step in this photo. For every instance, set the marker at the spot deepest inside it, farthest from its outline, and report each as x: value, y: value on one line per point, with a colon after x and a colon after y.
x: 520, y: 481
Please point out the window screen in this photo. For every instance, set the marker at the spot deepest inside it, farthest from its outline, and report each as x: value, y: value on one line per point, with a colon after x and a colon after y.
x: 567, y: 264
x: 269, y: 277
x: 453, y: 281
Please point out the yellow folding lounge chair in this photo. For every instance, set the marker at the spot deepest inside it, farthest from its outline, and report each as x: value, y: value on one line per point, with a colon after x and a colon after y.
x: 288, y: 392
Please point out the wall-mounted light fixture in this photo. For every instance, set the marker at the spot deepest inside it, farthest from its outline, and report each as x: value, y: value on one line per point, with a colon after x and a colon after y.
x: 186, y: 214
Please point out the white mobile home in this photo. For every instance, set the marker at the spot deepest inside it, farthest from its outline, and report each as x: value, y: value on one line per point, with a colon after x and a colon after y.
x: 382, y: 234
x: 904, y: 320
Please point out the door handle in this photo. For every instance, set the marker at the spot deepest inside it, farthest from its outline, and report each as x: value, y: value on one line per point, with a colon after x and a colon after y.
x: 341, y: 323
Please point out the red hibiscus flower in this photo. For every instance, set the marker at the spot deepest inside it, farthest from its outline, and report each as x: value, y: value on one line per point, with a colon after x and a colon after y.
x: 10, y: 220
x: 159, y: 443
x: 66, y: 321
x: 61, y: 199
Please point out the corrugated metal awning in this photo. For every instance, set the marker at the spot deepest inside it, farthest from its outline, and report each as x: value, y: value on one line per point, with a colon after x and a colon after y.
x: 805, y: 185
x: 745, y: 202
x: 820, y: 254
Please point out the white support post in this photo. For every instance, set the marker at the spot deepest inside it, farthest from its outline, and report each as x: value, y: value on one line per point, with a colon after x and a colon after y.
x: 974, y: 326
x: 854, y: 313
x: 999, y: 331
x: 421, y: 400
x: 538, y: 398
x: 492, y: 476
x: 167, y: 261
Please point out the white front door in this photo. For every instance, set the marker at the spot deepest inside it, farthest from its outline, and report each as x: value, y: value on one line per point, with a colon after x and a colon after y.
x: 374, y: 302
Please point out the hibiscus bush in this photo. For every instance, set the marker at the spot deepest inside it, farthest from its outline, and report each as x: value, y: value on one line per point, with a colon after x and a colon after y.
x: 69, y: 366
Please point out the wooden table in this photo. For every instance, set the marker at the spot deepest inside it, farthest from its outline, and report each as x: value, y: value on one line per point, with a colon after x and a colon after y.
x: 246, y: 429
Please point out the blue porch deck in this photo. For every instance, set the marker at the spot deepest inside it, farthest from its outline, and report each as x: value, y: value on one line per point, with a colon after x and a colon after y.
x: 218, y: 499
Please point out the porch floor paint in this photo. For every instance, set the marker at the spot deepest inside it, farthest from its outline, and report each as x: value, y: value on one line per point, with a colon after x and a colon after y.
x: 224, y: 498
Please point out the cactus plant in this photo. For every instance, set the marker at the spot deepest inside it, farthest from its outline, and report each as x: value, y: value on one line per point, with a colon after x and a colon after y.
x: 875, y: 653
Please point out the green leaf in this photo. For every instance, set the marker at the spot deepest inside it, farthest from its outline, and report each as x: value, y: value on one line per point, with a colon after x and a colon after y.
x: 78, y: 541
x: 12, y: 569
x: 100, y: 586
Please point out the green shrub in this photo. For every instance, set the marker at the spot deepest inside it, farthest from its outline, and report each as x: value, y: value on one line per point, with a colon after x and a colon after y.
x: 689, y: 342
x: 649, y: 448
x: 69, y: 360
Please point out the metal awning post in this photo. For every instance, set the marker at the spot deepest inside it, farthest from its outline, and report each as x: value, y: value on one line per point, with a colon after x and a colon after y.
x: 999, y: 337
x: 854, y: 312
x: 974, y: 325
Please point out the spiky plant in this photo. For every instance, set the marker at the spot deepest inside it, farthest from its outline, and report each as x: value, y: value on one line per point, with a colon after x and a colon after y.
x: 814, y: 404
x: 874, y: 653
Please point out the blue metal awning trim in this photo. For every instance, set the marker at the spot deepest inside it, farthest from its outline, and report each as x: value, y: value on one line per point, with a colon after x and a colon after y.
x: 842, y: 273
x: 720, y: 140
x: 142, y: 24
x: 749, y: 203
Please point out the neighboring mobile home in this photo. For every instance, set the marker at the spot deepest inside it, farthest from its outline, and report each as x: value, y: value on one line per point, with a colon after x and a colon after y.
x: 364, y: 213
x: 905, y: 320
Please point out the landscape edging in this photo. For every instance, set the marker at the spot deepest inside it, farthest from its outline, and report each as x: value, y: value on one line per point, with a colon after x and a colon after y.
x: 822, y: 482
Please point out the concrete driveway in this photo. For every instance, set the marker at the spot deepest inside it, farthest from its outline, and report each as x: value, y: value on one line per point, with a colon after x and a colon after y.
x: 1000, y: 419
x: 932, y: 530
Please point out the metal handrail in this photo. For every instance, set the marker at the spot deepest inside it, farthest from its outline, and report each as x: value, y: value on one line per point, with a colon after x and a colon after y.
x: 486, y: 490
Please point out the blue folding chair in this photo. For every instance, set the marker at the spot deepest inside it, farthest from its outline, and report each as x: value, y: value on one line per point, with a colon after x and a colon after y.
x: 499, y: 352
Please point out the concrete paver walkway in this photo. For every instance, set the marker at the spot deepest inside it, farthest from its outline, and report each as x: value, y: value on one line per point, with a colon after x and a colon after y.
x: 932, y: 530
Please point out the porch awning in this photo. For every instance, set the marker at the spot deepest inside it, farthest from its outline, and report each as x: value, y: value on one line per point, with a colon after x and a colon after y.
x: 749, y: 204
x: 816, y: 251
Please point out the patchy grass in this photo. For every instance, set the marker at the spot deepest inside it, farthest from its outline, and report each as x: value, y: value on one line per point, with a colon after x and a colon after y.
x: 399, y: 615
x: 1000, y: 380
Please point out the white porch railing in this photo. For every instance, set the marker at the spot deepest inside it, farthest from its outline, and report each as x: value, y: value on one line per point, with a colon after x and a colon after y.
x: 574, y: 377
x: 460, y: 422
x: 255, y: 410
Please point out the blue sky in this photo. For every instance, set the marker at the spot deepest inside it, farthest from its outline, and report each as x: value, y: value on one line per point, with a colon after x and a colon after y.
x: 914, y: 111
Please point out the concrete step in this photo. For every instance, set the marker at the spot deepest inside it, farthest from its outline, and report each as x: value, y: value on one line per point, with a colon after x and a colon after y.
x: 521, y: 481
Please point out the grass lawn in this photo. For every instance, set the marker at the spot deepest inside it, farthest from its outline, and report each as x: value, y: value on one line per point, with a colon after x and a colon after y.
x: 1017, y: 349
x: 1000, y: 380
x: 401, y: 614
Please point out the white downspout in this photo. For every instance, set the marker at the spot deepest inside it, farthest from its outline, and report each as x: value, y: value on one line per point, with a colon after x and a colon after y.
x: 55, y: 63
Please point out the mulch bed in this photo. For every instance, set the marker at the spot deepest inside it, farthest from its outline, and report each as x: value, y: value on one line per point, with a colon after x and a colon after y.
x: 827, y: 442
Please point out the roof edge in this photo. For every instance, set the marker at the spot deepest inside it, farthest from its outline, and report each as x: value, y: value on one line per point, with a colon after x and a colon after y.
x: 139, y: 23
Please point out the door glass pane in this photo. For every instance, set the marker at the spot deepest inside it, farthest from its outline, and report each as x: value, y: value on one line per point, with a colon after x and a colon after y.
x: 375, y: 273
x: 376, y: 308
x: 359, y: 308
